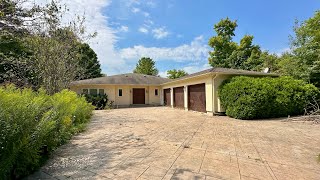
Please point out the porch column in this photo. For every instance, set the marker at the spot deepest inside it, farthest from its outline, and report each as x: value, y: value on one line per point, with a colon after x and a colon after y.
x: 171, y: 95
x: 185, y: 97
x: 161, y: 96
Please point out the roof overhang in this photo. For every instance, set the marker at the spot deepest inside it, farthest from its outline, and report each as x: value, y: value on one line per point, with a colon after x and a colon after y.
x: 218, y: 73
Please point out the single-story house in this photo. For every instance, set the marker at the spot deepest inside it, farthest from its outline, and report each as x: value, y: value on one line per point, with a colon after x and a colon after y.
x: 196, y: 92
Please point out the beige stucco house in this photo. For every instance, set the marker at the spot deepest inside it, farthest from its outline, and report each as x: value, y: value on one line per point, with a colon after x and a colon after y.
x: 197, y: 92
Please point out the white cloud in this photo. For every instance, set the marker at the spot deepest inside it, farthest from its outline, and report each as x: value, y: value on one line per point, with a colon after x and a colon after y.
x: 179, y: 36
x: 135, y: 10
x: 163, y: 74
x: 115, y: 60
x: 196, y: 68
x: 143, y: 30
x: 151, y: 4
x: 190, y: 69
x: 148, y: 22
x: 160, y: 33
x: 196, y: 50
x: 124, y: 29
x: 146, y: 14
x: 283, y: 50
x: 96, y: 21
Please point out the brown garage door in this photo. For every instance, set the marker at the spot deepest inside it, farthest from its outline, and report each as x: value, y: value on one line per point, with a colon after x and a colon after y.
x: 167, y: 97
x: 197, y: 97
x: 178, y: 97
x: 138, y: 95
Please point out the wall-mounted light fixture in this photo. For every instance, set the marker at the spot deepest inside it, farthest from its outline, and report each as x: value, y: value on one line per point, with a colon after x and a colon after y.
x: 146, y: 91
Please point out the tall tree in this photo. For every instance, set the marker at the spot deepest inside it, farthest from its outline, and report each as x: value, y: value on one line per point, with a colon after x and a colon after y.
x: 89, y: 62
x: 52, y: 55
x: 306, y: 48
x: 13, y: 53
x: 229, y: 54
x: 146, y: 66
x: 174, y: 74
x: 222, y: 43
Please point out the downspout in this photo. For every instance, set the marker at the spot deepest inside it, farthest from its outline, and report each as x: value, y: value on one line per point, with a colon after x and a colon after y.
x: 213, y: 93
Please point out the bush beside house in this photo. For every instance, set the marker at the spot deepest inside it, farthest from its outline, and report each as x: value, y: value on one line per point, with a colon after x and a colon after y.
x: 256, y: 98
x: 32, y: 124
x: 100, y: 101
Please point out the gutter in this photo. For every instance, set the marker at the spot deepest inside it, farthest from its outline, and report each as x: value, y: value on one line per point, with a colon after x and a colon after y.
x: 200, y: 75
x: 217, y: 73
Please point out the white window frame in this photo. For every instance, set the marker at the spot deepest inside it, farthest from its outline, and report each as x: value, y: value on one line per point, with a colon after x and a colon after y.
x: 103, y: 91
x: 157, y: 92
x: 119, y: 92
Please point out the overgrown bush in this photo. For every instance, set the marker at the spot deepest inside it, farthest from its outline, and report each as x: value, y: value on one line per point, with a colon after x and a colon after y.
x: 99, y: 101
x: 255, y: 98
x: 33, y: 123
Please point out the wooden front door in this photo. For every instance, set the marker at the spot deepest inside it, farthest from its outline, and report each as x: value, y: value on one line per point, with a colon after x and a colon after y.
x: 197, y: 97
x: 138, y: 95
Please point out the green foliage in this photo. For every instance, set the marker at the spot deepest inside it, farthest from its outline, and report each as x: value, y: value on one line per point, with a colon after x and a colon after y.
x: 222, y: 43
x: 255, y: 98
x: 229, y: 54
x: 304, y: 58
x: 174, y: 74
x: 49, y: 53
x: 89, y: 62
x: 100, y: 101
x: 34, y: 123
x: 146, y: 66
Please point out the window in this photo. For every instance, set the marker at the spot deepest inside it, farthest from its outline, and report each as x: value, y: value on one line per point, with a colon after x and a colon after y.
x: 101, y: 91
x: 93, y: 91
x: 85, y: 91
x: 120, y: 92
x: 156, y: 92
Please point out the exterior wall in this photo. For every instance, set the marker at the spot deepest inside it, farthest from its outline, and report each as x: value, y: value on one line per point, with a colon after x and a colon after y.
x: 153, y: 99
x: 127, y: 96
x: 217, y: 81
x: 125, y: 99
x: 197, y: 80
x: 108, y: 89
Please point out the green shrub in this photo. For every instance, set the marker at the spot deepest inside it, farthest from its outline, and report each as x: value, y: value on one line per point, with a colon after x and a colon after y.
x: 255, y: 98
x: 99, y: 101
x: 33, y: 124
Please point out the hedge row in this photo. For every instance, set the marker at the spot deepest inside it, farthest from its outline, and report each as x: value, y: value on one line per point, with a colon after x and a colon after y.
x: 256, y: 98
x: 33, y: 123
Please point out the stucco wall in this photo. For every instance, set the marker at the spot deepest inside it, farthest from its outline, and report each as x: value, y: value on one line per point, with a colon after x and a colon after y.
x: 108, y: 89
x: 218, y: 80
x: 153, y: 99
x: 126, y: 98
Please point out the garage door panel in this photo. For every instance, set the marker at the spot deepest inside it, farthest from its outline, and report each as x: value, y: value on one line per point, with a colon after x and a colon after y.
x: 197, y: 97
x: 178, y: 97
x: 167, y: 97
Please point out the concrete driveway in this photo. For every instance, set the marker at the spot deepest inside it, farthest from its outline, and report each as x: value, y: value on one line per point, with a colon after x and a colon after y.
x: 163, y: 143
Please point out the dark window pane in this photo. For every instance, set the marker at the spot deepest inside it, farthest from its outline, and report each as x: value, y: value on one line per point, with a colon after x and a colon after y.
x: 156, y: 92
x: 120, y: 92
x: 101, y: 91
x: 93, y: 91
x: 85, y: 91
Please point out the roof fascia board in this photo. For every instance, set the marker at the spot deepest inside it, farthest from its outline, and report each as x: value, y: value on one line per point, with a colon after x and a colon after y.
x: 117, y: 84
x: 200, y: 75
x: 244, y: 74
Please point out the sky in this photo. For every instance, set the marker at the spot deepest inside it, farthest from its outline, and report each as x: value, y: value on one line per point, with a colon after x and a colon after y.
x: 175, y: 33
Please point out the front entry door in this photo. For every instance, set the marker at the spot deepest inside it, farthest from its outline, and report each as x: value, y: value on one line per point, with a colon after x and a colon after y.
x: 138, y: 95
